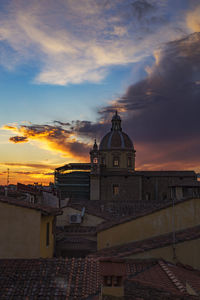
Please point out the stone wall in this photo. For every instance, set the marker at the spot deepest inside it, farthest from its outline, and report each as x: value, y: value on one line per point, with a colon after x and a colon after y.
x: 129, y: 188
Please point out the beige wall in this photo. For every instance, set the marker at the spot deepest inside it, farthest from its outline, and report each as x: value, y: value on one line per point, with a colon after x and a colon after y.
x: 117, y: 291
x: 186, y: 253
x: 88, y: 219
x: 19, y: 232
x: 186, y: 214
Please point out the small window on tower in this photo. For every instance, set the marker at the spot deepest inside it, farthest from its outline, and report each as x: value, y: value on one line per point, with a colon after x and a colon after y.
x: 115, y: 189
x: 116, y: 162
x: 95, y: 160
x: 129, y: 162
x: 103, y: 160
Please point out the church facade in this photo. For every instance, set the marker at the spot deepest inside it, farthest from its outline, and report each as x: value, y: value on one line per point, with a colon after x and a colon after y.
x: 111, y: 175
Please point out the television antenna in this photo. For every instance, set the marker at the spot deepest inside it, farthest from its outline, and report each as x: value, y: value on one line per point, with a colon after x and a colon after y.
x: 8, y: 176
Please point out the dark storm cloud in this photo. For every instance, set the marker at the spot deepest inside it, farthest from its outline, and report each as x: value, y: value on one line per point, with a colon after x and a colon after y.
x: 90, y: 129
x: 164, y: 108
x: 18, y: 139
x: 166, y: 104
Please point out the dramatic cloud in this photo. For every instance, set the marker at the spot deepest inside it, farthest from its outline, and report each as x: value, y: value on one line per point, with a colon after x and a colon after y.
x: 28, y: 165
x: 54, y: 138
x: 193, y: 20
x: 73, y: 43
x: 162, y: 111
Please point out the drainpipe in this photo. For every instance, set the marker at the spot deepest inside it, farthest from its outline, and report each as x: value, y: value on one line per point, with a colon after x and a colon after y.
x: 173, y: 230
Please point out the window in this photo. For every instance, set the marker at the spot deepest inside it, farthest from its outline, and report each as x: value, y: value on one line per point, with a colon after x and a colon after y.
x: 95, y: 160
x: 103, y: 161
x: 148, y: 196
x: 116, y: 162
x: 115, y: 189
x: 129, y: 162
x: 117, y: 280
x: 47, y: 234
x: 107, y: 280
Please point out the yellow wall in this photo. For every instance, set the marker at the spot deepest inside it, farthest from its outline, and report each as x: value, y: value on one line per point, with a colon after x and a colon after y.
x: 46, y: 251
x: 88, y: 220
x: 117, y: 291
x: 186, y: 214
x: 186, y: 253
x: 19, y: 232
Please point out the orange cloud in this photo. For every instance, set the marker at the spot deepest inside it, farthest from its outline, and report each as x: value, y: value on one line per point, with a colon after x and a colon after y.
x: 193, y: 19
x: 52, y: 138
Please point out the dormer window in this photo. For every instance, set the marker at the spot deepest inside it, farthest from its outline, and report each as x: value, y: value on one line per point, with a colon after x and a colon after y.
x: 107, y: 281
x: 116, y: 162
x: 112, y: 280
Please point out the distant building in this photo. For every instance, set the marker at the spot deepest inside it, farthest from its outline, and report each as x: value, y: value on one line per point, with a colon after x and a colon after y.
x: 111, y: 177
x: 73, y: 181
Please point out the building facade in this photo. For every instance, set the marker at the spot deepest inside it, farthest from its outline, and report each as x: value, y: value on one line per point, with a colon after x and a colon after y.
x: 112, y: 179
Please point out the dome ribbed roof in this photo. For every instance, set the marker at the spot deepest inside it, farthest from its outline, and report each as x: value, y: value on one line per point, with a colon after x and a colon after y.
x: 116, y: 138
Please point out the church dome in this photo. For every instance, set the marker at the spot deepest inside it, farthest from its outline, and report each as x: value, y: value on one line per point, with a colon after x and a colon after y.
x: 116, y: 138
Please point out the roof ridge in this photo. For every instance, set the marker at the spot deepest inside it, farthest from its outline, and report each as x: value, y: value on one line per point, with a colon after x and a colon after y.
x: 172, y: 277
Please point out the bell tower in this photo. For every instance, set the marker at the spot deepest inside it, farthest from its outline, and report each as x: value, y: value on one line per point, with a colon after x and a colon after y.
x: 95, y: 173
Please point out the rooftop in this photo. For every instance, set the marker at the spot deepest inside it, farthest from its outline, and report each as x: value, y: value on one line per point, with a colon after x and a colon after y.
x: 53, y: 278
x: 158, y: 206
x: 82, y: 278
x: 164, y: 240
x: 173, y: 279
x: 45, y: 210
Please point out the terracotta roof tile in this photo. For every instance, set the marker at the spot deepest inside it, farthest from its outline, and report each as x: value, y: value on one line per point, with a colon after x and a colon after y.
x: 46, y: 210
x: 157, y: 206
x: 169, y: 277
x: 150, y: 243
x: 81, y: 278
x: 91, y: 207
x: 48, y: 279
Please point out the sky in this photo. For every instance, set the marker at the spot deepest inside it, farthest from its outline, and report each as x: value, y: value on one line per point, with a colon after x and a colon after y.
x: 66, y: 66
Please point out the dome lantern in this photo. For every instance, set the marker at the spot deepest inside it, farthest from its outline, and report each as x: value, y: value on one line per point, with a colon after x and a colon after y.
x: 116, y: 122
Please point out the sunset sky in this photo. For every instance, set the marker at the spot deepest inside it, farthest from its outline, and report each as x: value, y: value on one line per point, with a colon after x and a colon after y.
x: 67, y: 65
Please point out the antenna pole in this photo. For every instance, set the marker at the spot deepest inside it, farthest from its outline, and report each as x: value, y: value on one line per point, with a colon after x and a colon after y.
x: 8, y: 177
